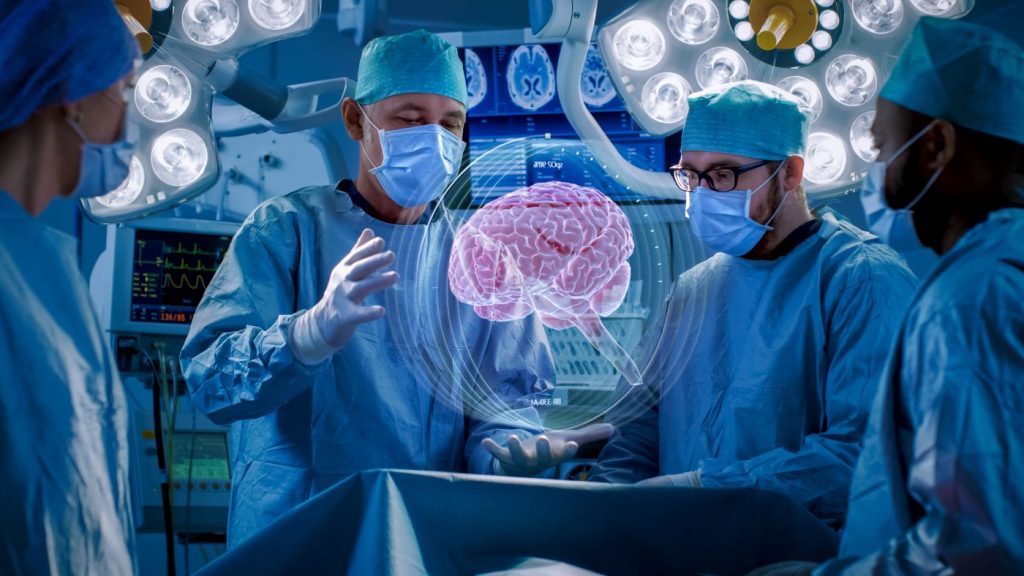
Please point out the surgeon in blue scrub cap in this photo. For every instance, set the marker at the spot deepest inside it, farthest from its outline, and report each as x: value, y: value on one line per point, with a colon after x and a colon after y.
x: 64, y: 500
x: 776, y: 343
x: 290, y: 345
x: 938, y: 487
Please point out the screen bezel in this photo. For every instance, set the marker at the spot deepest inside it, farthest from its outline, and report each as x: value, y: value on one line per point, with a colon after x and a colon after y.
x: 124, y: 242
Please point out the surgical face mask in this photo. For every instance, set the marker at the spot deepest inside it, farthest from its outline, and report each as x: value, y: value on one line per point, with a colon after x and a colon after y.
x: 104, y: 166
x: 418, y: 163
x: 722, y: 222
x: 895, y: 227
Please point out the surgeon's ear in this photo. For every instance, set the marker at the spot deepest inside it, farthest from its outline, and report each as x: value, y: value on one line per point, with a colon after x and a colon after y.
x: 353, y: 118
x: 792, y: 173
x: 941, y: 144
x: 72, y: 111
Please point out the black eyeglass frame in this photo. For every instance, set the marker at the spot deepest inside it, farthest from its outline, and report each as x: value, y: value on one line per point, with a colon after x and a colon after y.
x: 682, y: 180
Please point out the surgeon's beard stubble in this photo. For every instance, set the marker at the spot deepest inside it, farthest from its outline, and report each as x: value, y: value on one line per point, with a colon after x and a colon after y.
x: 761, y: 215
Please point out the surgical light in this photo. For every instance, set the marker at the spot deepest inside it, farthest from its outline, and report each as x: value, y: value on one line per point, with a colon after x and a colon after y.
x: 739, y: 9
x: 179, y: 157
x: 861, y: 140
x: 806, y: 91
x: 851, y: 80
x: 825, y: 158
x: 934, y: 7
x: 719, y: 66
x: 833, y: 55
x: 170, y: 113
x: 163, y: 93
x: 210, y: 22
x: 129, y: 190
x: 276, y: 14
x: 664, y: 97
x: 804, y: 54
x: 639, y: 45
x: 744, y: 31
x: 878, y: 16
x: 693, y: 21
x: 821, y: 41
x: 829, y: 19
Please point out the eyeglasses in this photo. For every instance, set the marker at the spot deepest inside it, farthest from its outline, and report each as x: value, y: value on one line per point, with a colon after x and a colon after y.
x: 719, y: 179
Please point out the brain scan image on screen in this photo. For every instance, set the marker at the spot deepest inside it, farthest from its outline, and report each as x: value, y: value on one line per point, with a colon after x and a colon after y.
x: 531, y: 77
x: 595, y: 85
x: 555, y: 249
x: 476, y: 79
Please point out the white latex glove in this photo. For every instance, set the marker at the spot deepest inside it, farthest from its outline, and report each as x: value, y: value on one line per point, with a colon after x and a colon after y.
x: 538, y: 453
x: 330, y: 323
x: 684, y: 480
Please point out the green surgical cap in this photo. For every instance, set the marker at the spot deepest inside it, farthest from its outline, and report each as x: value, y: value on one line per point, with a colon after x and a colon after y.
x: 416, y: 62
x: 965, y: 73
x: 746, y: 119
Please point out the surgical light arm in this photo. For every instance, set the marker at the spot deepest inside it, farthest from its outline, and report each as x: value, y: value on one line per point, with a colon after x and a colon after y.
x: 573, y: 22
x: 263, y: 103
x: 282, y: 109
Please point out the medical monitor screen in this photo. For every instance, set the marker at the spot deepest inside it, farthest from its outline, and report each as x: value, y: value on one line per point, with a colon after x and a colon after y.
x: 170, y: 273
x: 202, y: 455
x: 512, y: 95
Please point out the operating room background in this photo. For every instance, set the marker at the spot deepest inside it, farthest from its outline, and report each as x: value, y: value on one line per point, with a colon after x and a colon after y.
x: 327, y: 53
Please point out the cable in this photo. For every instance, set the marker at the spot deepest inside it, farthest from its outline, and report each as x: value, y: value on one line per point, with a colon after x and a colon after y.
x: 161, y: 459
x: 188, y: 497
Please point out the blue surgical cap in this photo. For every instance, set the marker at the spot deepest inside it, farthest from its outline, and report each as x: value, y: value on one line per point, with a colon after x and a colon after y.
x: 746, y: 119
x: 965, y: 73
x: 59, y: 51
x: 409, y: 63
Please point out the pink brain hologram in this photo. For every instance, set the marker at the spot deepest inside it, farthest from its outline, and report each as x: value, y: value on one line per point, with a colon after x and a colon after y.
x: 553, y: 248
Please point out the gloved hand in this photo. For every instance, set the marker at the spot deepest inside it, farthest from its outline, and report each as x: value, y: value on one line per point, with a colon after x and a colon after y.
x: 330, y: 323
x: 685, y: 480
x: 538, y: 453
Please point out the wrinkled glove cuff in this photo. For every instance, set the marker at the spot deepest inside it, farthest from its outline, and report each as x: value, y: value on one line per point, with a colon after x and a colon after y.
x: 686, y: 479
x: 307, y: 341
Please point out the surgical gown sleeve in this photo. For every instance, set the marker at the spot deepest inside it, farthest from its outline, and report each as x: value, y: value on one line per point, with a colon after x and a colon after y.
x: 862, y: 308
x: 236, y: 359
x: 963, y: 376
x: 631, y: 454
x: 517, y: 368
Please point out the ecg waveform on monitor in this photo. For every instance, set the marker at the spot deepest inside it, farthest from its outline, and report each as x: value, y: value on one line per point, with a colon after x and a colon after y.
x: 183, y: 281
x: 171, y: 272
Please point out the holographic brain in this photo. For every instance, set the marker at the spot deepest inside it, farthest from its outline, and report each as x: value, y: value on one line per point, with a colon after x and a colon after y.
x: 554, y: 248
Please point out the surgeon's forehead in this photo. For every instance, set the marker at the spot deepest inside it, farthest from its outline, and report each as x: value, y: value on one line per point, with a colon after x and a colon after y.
x: 432, y: 104
x: 696, y: 160
x: 892, y: 122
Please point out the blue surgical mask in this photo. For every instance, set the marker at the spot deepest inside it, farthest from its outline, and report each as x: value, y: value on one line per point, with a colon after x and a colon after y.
x: 893, y: 226
x: 104, y: 166
x: 418, y: 163
x: 722, y: 222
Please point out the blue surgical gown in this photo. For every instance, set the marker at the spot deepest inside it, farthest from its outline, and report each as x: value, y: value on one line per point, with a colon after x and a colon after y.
x: 65, y: 506
x: 764, y: 371
x: 295, y: 429
x: 940, y: 485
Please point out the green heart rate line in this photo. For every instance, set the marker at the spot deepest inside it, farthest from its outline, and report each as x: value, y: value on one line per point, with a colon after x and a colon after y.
x: 180, y: 251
